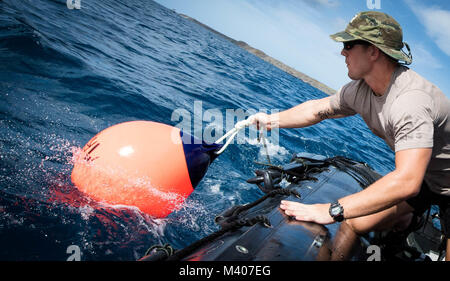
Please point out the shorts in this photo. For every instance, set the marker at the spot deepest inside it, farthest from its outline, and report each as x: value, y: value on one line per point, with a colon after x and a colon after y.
x: 425, y: 199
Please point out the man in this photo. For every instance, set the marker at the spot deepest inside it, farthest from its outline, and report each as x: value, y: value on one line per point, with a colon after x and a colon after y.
x: 408, y: 112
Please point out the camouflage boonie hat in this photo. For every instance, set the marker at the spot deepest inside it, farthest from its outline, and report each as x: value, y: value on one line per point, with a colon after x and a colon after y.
x: 379, y: 29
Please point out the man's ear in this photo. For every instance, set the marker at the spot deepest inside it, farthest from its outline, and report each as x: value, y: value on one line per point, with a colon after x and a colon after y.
x: 374, y: 52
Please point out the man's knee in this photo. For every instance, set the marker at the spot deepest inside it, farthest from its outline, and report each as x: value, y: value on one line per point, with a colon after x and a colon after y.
x: 447, y: 251
x: 360, y: 226
x: 395, y: 217
x: 364, y: 225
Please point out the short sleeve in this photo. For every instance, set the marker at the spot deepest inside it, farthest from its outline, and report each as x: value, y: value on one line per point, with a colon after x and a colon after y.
x: 338, y: 101
x: 412, y: 122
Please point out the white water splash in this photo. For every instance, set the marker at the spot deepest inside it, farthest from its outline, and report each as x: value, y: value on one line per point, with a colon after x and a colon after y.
x: 274, y: 150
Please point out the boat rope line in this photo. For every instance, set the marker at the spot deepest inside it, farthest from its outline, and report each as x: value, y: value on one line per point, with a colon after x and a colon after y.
x: 261, y: 137
x: 361, y: 175
x: 167, y: 249
x: 234, y: 212
x: 231, y: 134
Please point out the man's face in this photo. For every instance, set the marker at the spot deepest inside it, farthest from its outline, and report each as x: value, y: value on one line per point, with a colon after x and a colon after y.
x: 357, y: 60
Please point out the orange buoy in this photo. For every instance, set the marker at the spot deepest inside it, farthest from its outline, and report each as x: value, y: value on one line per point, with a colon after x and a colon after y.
x: 142, y: 163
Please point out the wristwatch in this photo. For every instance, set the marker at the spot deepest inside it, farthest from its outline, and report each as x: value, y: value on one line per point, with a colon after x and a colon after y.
x: 337, y: 212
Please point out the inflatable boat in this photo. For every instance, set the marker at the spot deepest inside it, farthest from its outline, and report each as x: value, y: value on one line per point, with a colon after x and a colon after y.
x: 260, y: 231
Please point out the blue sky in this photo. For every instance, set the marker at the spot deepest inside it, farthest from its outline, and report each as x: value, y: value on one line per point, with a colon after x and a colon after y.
x: 296, y: 32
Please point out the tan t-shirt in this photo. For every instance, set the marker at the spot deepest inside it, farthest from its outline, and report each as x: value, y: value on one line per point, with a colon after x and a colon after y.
x: 413, y: 113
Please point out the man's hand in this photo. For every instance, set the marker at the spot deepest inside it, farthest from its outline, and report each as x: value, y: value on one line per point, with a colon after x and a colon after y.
x: 318, y: 213
x: 262, y: 120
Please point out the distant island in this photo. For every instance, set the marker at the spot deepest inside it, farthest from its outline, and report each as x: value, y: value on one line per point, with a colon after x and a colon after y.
x: 305, y: 78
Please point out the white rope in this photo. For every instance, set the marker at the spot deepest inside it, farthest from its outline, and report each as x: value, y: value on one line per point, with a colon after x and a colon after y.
x: 232, y: 133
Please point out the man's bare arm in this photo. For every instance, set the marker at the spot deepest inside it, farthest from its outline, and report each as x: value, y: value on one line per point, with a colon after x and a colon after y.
x: 303, y: 115
x: 307, y: 114
x: 402, y: 183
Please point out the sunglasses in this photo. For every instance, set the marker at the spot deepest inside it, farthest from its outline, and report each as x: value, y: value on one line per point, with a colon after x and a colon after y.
x: 350, y: 44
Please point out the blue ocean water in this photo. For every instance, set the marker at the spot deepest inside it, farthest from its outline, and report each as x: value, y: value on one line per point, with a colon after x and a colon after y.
x: 66, y: 74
